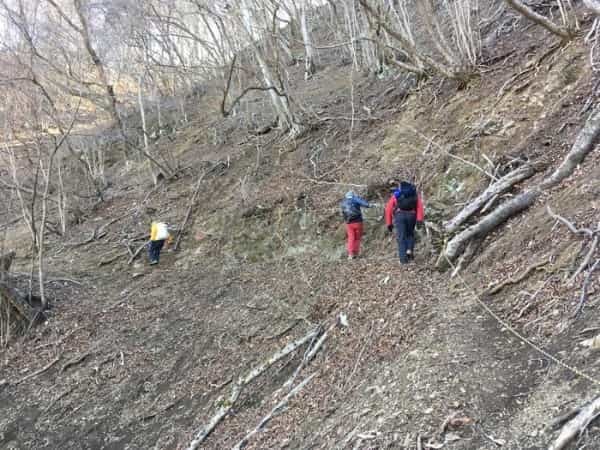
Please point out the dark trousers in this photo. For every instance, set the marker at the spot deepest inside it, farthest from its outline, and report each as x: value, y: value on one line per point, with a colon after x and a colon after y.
x: 154, y: 249
x: 405, y: 222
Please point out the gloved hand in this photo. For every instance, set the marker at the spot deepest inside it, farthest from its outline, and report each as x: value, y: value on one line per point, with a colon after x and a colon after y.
x: 390, y: 228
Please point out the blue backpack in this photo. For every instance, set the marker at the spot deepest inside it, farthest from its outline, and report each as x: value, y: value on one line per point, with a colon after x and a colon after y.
x: 406, y: 197
x: 350, y: 211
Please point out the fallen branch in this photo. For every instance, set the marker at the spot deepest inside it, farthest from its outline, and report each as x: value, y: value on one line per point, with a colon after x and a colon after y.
x: 137, y: 252
x: 495, y: 189
x: 274, y: 412
x: 38, y: 372
x: 239, y: 386
x: 312, y: 349
x: 587, y: 259
x: 514, y: 280
x: 584, y: 288
x: 110, y: 260
x: 63, y: 280
x: 568, y: 224
x: 539, y: 19
x: 577, y: 425
x: 74, y: 361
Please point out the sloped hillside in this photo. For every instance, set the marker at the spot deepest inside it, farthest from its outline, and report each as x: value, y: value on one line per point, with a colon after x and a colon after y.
x: 140, y: 357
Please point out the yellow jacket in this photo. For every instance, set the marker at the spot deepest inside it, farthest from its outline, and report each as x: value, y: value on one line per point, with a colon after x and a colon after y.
x: 156, y: 228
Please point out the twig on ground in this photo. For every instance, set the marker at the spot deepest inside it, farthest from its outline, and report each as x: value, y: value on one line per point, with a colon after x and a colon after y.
x: 137, y: 252
x: 568, y: 224
x: 584, y: 288
x: 74, y: 361
x: 38, y: 372
x: 110, y: 260
x: 586, y: 259
x: 192, y: 203
x: 284, y: 331
x: 63, y: 280
x: 56, y: 343
x: 334, y: 183
x: 359, y: 358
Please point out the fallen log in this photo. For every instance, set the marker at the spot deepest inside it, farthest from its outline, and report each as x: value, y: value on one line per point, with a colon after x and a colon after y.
x: 499, y: 187
x: 583, y: 145
x: 500, y: 215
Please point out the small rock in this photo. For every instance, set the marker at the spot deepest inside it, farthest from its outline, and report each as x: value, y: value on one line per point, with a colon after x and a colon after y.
x: 414, y: 354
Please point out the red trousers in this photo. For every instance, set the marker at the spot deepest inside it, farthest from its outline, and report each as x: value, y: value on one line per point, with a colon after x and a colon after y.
x: 354, y: 232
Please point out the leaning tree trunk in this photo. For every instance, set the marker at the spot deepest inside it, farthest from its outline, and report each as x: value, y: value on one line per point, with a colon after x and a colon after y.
x: 539, y: 19
x: 497, y: 188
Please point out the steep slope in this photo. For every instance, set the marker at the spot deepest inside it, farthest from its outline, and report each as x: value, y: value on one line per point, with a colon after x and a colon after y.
x: 140, y: 357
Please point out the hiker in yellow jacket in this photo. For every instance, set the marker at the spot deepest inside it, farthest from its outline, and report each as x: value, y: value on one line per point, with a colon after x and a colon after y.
x: 159, y: 233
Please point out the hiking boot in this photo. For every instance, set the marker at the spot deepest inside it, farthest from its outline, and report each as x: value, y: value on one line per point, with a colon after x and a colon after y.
x: 409, y: 254
x: 350, y: 257
x: 153, y: 263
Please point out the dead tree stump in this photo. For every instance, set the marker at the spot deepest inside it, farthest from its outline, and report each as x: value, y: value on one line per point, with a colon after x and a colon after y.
x: 16, y: 314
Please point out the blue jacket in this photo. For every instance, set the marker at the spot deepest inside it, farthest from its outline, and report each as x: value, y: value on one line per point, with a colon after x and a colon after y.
x: 351, y: 208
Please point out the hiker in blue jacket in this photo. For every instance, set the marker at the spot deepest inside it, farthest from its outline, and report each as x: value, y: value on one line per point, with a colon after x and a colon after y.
x: 354, y: 221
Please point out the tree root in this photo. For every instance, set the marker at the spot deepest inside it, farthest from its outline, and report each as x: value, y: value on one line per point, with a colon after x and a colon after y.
x: 38, y: 372
x: 514, y: 280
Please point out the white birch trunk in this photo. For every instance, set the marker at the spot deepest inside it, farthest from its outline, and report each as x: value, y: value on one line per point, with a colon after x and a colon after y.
x: 309, y: 65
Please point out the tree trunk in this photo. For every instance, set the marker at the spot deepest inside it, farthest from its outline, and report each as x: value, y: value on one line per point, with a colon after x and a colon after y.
x: 488, y: 223
x: 309, y: 65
